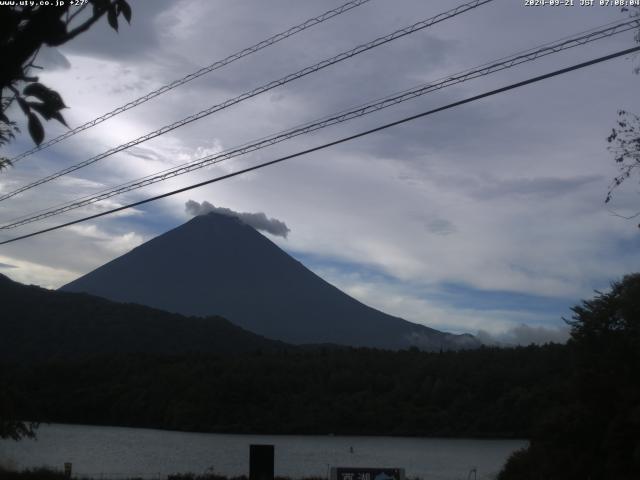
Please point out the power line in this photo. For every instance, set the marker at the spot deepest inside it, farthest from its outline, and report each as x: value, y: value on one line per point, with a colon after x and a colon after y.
x: 257, y: 91
x: 192, y: 76
x: 335, y: 142
x: 346, y: 115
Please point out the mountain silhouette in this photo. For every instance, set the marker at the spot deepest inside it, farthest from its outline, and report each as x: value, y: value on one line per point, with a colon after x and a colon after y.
x: 40, y: 324
x: 216, y: 265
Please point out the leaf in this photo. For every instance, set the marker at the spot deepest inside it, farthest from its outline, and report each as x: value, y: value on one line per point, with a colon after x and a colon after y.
x: 125, y: 9
x: 5, y: 163
x: 36, y: 90
x: 23, y: 105
x: 48, y: 96
x: 35, y: 129
x: 57, y: 116
x: 48, y: 113
x: 112, y: 17
x: 41, y: 108
x: 4, y: 118
x: 55, y: 100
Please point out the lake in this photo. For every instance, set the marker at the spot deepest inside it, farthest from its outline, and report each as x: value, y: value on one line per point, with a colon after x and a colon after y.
x: 115, y: 452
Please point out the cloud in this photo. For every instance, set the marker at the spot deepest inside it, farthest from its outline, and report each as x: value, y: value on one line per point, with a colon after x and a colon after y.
x: 259, y: 220
x: 526, y: 335
x: 543, y: 187
x: 34, y: 273
x: 435, y: 307
x: 441, y: 226
x: 7, y: 265
x: 118, y: 244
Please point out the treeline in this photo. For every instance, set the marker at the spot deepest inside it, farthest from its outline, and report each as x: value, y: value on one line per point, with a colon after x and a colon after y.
x: 593, y: 430
x: 487, y: 392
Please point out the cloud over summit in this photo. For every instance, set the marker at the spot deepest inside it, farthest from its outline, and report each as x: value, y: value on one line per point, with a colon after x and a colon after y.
x: 258, y: 220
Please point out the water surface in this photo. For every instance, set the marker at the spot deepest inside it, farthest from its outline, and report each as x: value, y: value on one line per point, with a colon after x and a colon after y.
x: 115, y: 452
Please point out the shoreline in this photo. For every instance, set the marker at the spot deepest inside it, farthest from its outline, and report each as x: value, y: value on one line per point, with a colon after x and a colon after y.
x: 277, y: 434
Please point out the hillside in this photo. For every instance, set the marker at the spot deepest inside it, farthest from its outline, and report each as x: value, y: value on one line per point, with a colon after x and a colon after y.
x: 38, y: 324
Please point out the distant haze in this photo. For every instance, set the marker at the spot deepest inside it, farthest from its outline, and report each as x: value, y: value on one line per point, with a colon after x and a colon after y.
x: 526, y: 335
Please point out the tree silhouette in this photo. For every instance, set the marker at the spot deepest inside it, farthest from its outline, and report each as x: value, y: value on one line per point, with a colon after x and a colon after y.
x: 592, y: 430
x: 24, y: 29
x: 624, y: 140
x: 9, y: 400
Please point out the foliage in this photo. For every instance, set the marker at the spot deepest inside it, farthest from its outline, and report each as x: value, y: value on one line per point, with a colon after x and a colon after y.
x: 17, y: 430
x: 487, y: 392
x: 33, y: 474
x: 594, y: 432
x: 9, y: 399
x: 624, y: 140
x: 24, y: 29
x: 624, y: 144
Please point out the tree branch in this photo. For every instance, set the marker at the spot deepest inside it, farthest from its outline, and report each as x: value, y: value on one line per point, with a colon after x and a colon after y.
x: 86, y: 25
x: 622, y: 216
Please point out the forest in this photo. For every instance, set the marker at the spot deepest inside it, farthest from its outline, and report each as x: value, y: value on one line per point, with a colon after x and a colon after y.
x: 488, y: 392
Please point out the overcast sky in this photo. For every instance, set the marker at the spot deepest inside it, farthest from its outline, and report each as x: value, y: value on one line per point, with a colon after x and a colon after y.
x: 478, y: 219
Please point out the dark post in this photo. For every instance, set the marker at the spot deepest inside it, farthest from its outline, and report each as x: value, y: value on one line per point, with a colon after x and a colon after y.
x: 260, y: 462
x: 67, y: 469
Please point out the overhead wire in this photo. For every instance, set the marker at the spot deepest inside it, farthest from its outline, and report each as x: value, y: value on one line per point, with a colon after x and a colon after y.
x: 343, y: 116
x: 335, y: 142
x: 192, y: 76
x: 416, y: 27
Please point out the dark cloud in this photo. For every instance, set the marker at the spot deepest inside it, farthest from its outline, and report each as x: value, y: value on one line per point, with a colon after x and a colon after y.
x: 259, y: 220
x: 441, y: 226
x: 130, y: 41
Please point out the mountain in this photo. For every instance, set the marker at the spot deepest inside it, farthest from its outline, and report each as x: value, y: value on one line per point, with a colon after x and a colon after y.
x: 216, y: 264
x: 40, y: 324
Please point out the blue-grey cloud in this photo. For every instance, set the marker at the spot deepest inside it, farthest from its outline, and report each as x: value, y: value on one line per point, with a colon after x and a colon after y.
x: 259, y: 220
x: 6, y: 265
x: 441, y: 226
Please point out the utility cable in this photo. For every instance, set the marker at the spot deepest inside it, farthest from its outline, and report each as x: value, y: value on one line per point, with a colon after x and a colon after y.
x: 335, y: 142
x: 192, y: 76
x: 371, y: 107
x: 257, y: 91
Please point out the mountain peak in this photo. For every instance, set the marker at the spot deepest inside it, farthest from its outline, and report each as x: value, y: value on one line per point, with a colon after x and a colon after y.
x: 215, y: 264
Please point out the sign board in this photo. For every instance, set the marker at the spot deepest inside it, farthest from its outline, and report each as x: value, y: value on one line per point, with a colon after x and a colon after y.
x: 366, y: 473
x: 261, y: 462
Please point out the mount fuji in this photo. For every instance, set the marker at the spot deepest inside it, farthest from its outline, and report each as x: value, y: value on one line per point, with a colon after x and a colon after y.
x: 215, y: 264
